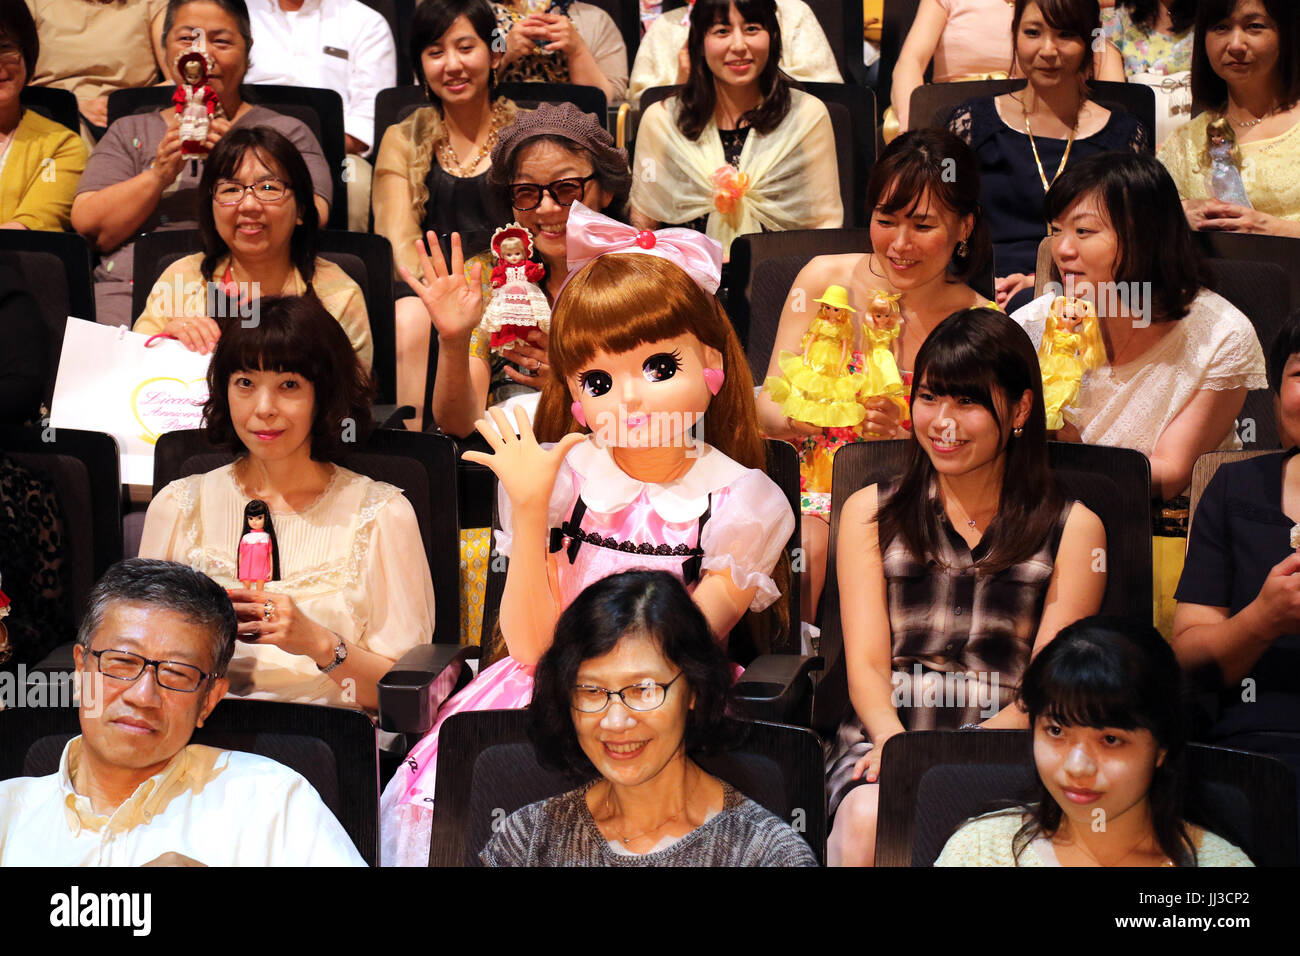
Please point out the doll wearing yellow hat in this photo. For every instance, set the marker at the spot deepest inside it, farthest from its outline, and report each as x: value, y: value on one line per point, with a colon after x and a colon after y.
x: 816, y: 385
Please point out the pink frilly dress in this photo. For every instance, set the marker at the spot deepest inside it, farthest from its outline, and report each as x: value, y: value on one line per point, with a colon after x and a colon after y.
x: 255, y: 556
x: 719, y: 516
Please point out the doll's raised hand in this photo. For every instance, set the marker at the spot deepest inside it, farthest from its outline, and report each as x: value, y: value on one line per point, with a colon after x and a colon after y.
x: 525, y: 469
x: 453, y: 300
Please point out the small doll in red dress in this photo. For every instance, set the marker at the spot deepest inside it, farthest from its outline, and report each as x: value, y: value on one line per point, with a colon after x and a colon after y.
x: 259, y: 556
x: 5, y: 650
x: 196, y: 103
x: 518, y: 303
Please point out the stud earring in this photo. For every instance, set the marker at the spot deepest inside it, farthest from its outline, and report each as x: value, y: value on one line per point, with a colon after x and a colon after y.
x: 576, y: 409
x: 1018, y: 430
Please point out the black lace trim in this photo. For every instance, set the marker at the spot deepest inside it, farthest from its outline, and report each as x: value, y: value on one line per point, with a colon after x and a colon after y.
x: 578, y: 536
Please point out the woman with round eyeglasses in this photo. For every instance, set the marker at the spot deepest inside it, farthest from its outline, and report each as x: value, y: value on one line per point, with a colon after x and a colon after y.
x: 543, y: 163
x: 633, y: 686
x: 1245, y: 71
x: 259, y: 239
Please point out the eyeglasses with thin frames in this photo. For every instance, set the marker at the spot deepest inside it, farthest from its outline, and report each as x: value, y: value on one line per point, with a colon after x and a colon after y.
x: 228, y: 192
x: 127, y: 667
x: 641, y: 697
x: 10, y: 54
x: 565, y: 192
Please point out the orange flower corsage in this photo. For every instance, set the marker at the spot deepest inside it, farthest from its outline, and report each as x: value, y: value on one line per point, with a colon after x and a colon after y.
x: 729, y: 185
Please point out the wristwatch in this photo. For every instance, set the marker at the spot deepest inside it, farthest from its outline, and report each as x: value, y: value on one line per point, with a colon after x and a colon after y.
x: 340, y: 655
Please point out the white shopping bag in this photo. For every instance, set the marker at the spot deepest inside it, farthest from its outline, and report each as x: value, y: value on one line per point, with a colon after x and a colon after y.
x: 109, y: 381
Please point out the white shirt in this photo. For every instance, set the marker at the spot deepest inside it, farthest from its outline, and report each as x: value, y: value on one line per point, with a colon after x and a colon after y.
x: 339, y: 45
x: 220, y: 807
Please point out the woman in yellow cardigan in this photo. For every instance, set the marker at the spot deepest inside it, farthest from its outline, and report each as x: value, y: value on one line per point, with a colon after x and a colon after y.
x: 40, y: 160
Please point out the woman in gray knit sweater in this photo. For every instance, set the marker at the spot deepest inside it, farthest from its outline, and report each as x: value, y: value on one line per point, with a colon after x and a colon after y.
x: 634, y: 682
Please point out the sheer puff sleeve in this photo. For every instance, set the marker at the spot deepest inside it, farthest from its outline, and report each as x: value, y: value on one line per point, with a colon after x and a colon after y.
x: 395, y: 576
x: 750, y: 525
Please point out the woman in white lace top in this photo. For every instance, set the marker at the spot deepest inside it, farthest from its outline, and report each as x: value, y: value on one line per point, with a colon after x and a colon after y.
x: 1179, y: 358
x: 353, y: 591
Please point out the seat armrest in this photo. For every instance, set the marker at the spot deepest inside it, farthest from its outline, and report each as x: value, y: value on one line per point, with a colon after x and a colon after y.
x: 778, y: 687
x: 415, y: 687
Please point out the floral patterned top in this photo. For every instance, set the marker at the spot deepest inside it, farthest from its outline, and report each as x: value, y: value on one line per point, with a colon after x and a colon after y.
x: 1147, y: 51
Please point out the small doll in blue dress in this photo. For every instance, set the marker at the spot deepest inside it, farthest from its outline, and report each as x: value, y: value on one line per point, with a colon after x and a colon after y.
x: 1225, y: 163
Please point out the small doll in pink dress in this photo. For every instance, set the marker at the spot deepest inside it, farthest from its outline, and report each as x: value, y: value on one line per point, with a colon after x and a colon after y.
x: 196, y: 103
x: 640, y: 351
x: 259, y: 556
x: 518, y: 303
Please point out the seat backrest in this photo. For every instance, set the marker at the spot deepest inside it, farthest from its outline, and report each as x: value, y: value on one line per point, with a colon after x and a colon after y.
x: 368, y: 259
x: 422, y: 465
x: 82, y: 466
x: 858, y: 137
x: 1136, y: 98
x: 488, y: 768
x: 57, y: 266
x: 395, y: 104
x: 1114, y: 483
x: 333, y: 747
x: 1283, y: 251
x: 1258, y: 289
x: 936, y: 780
x: 53, y: 103
x: 762, y: 269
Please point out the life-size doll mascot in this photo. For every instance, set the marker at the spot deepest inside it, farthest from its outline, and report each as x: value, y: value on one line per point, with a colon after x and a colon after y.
x: 638, y: 478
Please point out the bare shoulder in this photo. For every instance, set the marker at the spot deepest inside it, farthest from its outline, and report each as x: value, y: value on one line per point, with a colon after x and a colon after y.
x: 829, y: 270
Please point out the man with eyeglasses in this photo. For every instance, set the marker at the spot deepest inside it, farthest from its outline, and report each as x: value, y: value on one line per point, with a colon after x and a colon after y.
x: 151, y: 654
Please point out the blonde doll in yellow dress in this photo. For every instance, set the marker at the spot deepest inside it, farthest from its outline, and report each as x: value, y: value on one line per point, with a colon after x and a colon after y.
x: 1071, y: 345
x: 817, y: 386
x: 879, y: 340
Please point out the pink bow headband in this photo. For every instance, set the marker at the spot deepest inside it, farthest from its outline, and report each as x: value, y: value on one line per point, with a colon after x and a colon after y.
x: 590, y: 234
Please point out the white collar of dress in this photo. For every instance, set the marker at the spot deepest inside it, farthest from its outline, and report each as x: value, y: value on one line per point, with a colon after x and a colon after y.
x: 606, y: 488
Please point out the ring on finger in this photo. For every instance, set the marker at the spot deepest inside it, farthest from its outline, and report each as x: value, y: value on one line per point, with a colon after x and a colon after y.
x: 268, y: 611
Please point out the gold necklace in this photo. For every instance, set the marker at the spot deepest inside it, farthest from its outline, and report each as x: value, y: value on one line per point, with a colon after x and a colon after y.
x: 447, y: 154
x: 1034, y: 146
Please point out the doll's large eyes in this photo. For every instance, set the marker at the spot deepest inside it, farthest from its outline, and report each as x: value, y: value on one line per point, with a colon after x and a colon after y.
x: 661, y: 366
x: 596, y: 383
